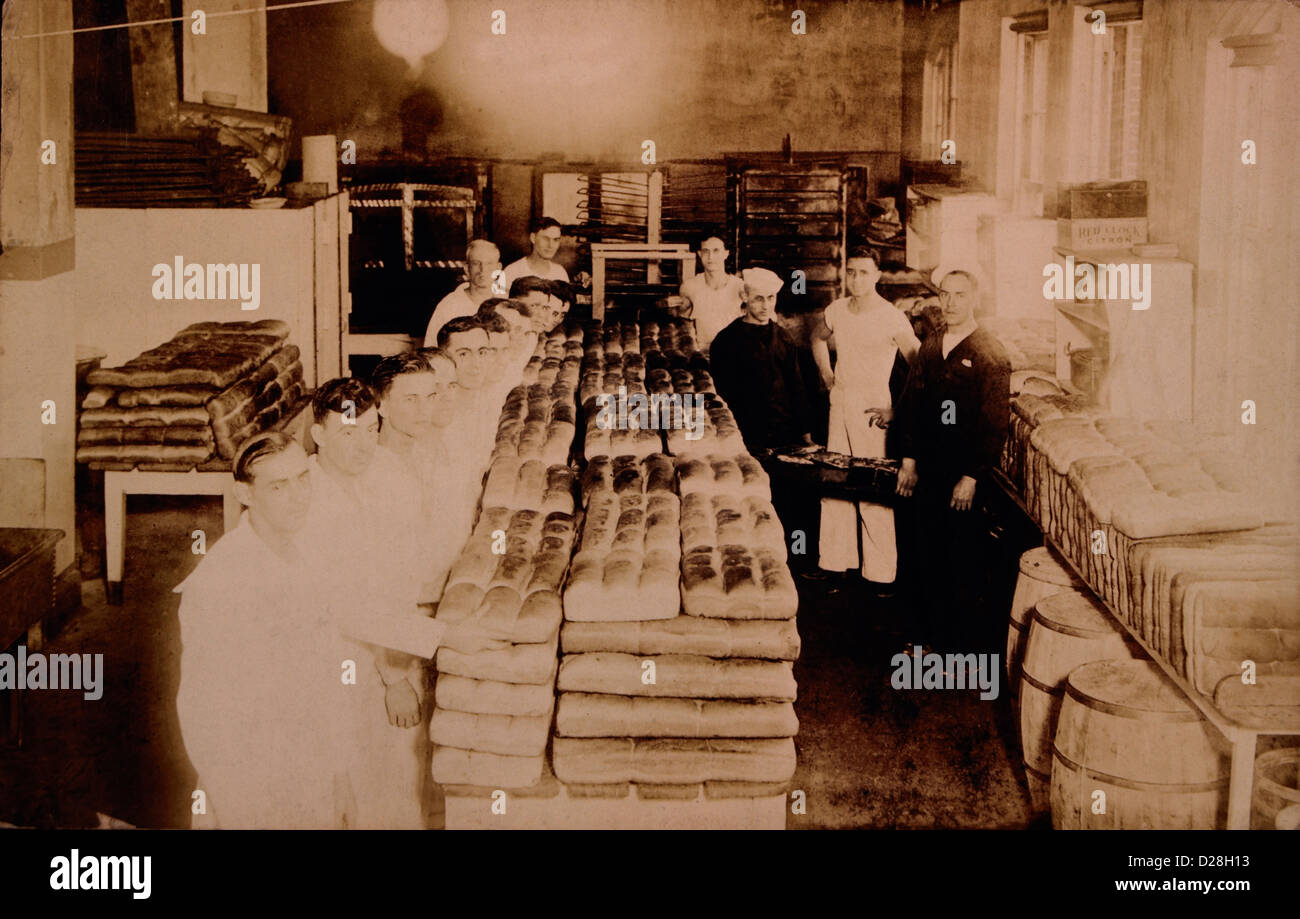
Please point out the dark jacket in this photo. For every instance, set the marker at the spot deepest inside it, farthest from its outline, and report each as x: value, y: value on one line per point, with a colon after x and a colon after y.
x: 955, y: 411
x: 756, y: 370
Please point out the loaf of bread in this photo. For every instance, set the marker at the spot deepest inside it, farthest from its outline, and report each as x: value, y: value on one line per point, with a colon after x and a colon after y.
x: 677, y: 675
x: 457, y: 766
x: 671, y: 761
x: 515, y: 664
x: 507, y: 735
x: 580, y: 714
x: 492, y: 697
x: 761, y: 639
x: 627, y: 562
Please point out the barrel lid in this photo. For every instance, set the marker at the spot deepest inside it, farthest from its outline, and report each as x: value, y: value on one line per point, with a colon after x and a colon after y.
x: 1130, y: 688
x: 1075, y: 613
x: 1042, y: 564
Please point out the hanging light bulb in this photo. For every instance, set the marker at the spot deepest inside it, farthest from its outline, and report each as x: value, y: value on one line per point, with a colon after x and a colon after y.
x: 411, y: 29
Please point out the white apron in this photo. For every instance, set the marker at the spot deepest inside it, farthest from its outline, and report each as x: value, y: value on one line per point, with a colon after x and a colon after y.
x: 866, y: 345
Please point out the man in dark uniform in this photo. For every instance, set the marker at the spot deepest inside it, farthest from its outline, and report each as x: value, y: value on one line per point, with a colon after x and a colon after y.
x: 952, y: 422
x: 755, y: 367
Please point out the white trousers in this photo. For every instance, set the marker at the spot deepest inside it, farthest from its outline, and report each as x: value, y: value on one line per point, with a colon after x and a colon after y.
x: 388, y: 762
x: 849, y: 432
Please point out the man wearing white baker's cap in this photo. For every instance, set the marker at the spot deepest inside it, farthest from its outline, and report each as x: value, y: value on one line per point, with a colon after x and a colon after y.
x: 755, y: 366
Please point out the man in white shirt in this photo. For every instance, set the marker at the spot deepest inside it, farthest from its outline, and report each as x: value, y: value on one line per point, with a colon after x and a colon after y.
x: 466, y: 342
x: 544, y: 237
x: 268, y: 643
x: 714, y: 299
x: 870, y: 333
x: 260, y: 687
x: 523, y: 335
x: 482, y: 262
x: 550, y: 300
x: 345, y: 526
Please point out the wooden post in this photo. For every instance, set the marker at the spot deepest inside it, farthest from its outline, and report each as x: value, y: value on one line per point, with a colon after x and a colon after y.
x: 153, y: 67
x: 654, y: 214
x: 38, y: 326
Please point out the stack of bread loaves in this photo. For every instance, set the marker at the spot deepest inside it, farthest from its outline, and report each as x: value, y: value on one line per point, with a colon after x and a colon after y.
x: 627, y: 562
x: 685, y: 705
x: 193, y: 398
x: 492, y: 714
x: 1179, y: 539
x: 681, y: 705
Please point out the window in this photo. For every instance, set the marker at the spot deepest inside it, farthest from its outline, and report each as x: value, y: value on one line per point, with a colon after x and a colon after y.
x: 939, y: 100
x: 1031, y: 121
x: 1116, y: 101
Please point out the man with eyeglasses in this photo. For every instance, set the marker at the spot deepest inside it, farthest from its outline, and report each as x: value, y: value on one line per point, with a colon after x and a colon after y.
x: 482, y: 260
x: 953, y: 419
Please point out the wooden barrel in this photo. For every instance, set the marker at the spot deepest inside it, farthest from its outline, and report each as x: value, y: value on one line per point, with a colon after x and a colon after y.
x: 1042, y: 573
x: 1125, y: 730
x: 1067, y: 630
x: 1277, y: 789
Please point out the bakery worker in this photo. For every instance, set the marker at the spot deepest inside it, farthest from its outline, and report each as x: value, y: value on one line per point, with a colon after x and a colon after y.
x: 869, y: 333
x: 953, y: 421
x: 544, y: 237
x: 714, y: 299
x: 523, y: 335
x: 466, y: 342
x: 260, y: 691
x: 355, y: 547
x: 266, y: 635
x: 408, y: 390
x: 755, y: 368
x: 549, y: 299
x: 482, y: 260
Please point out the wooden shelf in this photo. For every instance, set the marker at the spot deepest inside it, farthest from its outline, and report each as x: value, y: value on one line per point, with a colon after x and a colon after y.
x: 1093, y: 317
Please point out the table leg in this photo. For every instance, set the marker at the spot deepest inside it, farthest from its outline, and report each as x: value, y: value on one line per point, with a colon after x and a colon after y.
x: 1242, y: 780
x: 114, y: 534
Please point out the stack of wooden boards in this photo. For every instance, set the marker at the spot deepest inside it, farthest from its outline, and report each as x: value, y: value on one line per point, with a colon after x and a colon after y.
x: 192, y: 399
x: 676, y: 681
x: 131, y: 170
x: 1178, y: 539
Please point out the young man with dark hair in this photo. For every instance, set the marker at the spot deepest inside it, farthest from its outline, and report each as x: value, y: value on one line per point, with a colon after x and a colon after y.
x: 260, y: 697
x: 523, y: 336
x: 544, y: 237
x: 954, y: 417
x: 870, y: 333
x: 347, y: 524
x: 466, y: 342
x: 713, y: 298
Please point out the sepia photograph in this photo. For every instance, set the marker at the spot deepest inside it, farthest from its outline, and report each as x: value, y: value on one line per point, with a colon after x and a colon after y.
x: 650, y: 415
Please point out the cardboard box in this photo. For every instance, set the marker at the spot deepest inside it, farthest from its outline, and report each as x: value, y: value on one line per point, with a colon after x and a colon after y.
x: 1101, y: 200
x: 1101, y: 232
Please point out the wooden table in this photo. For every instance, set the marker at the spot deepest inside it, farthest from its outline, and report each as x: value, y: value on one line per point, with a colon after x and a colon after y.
x: 563, y: 812
x: 210, y: 478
